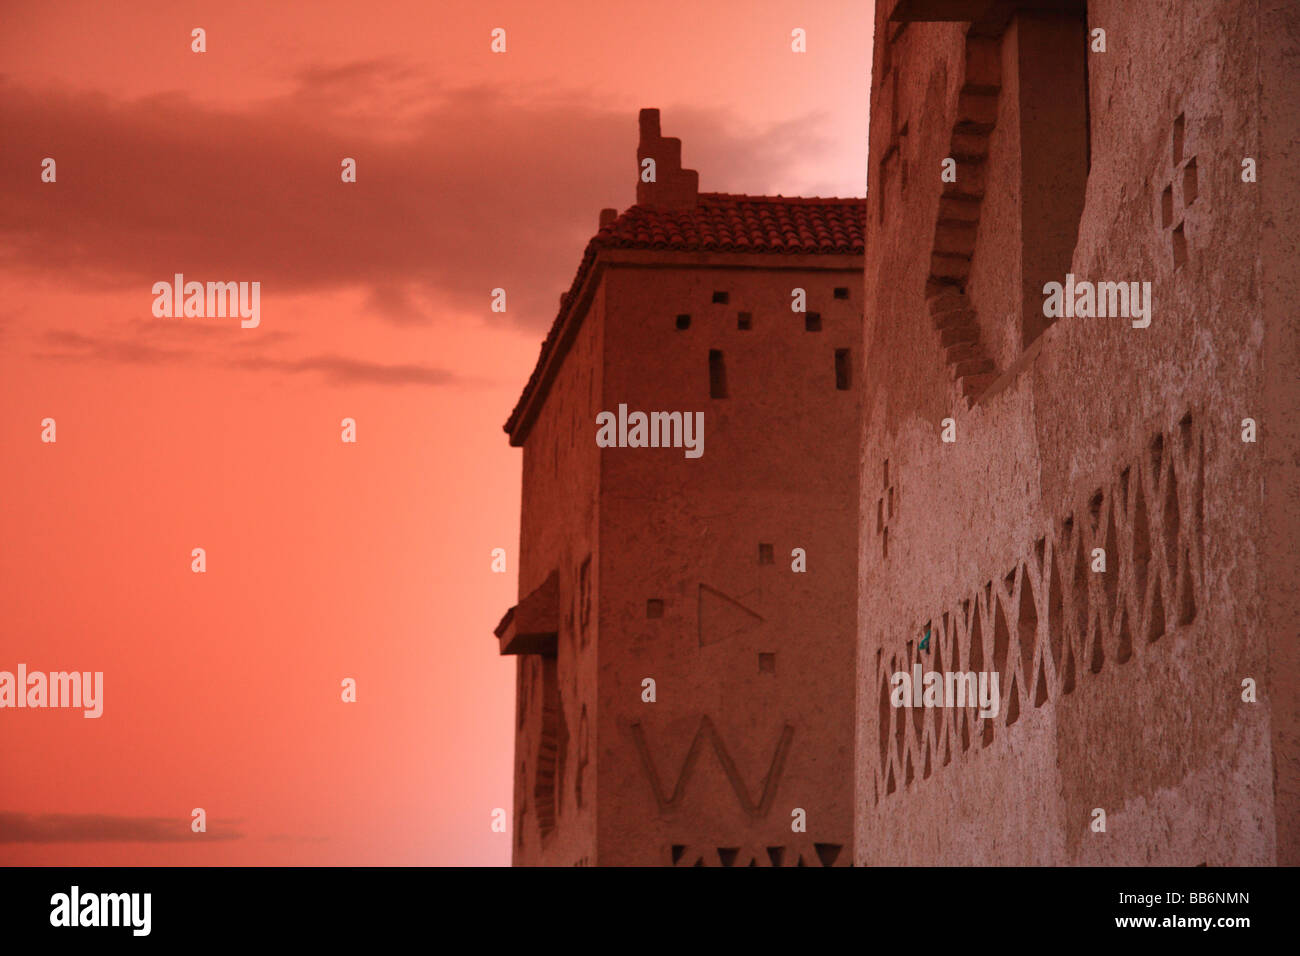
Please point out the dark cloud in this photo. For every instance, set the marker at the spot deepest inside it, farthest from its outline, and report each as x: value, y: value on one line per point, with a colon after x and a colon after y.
x: 75, y: 345
x: 459, y: 191
x: 337, y: 368
x: 104, y: 828
x: 62, y: 344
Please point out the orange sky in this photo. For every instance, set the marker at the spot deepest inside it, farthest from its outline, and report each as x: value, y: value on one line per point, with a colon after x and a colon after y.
x: 326, y: 560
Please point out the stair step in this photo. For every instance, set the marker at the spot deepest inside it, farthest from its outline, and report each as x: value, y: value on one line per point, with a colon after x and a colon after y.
x: 936, y: 286
x: 947, y: 301
x: 949, y: 266
x: 967, y: 143
x: 959, y: 335
x: 962, y: 352
x: 975, y: 366
x: 984, y: 61
x: 959, y: 208
x: 964, y: 191
x: 972, y: 385
x: 957, y: 239
x: 977, y: 106
x: 945, y: 320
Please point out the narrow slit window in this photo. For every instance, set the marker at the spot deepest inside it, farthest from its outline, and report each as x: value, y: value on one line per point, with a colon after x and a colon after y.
x: 843, y: 370
x: 717, y: 375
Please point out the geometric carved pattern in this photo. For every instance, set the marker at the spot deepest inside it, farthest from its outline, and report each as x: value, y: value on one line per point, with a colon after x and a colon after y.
x: 1050, y: 622
x: 721, y: 617
x: 551, y: 750
x: 1180, y: 192
x: 886, y: 506
x: 707, y: 732
x: 804, y: 854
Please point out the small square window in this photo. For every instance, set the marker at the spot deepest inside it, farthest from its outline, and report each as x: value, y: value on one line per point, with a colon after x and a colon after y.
x: 745, y: 321
x: 842, y: 292
x: 683, y: 322
x: 812, y: 321
x: 654, y: 607
x: 721, y: 298
x: 765, y: 554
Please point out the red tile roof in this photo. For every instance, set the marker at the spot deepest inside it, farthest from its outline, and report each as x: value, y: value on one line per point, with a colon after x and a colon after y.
x: 726, y: 223
x: 719, y: 222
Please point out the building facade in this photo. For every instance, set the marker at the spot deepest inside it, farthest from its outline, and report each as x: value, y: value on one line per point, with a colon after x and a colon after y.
x: 1089, y: 491
x: 685, y: 634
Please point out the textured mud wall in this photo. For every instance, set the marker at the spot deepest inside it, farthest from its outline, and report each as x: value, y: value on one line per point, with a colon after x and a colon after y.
x: 1279, y: 32
x: 752, y: 662
x: 1121, y: 690
x: 555, y: 739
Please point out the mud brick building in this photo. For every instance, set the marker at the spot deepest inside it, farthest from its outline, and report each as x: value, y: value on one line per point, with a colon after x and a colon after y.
x: 1122, y: 690
x: 643, y: 563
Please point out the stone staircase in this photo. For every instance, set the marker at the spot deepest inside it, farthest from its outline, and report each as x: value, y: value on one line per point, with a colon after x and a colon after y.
x: 958, y: 221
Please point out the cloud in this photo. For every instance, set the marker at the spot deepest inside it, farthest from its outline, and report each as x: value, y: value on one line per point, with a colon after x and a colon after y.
x: 75, y: 346
x: 296, y: 838
x: 337, y: 368
x: 103, y: 828
x: 459, y: 190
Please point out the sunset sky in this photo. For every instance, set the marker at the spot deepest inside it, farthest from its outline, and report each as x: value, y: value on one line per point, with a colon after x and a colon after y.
x: 325, y: 560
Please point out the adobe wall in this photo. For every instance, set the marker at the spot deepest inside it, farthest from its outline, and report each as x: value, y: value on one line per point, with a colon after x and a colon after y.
x: 1127, y: 684
x: 555, y: 737
x: 1279, y: 123
x: 779, y: 468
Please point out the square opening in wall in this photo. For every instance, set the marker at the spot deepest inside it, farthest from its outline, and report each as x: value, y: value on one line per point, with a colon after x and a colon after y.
x: 842, y: 292
x: 654, y: 607
x: 722, y: 298
x: 683, y: 322
x: 744, y: 321
x: 812, y: 322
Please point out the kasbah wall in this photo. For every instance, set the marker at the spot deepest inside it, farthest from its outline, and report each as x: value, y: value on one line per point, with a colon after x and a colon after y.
x: 665, y: 556
x: 555, y: 730
x: 766, y: 655
x: 1122, y: 690
x: 650, y: 565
